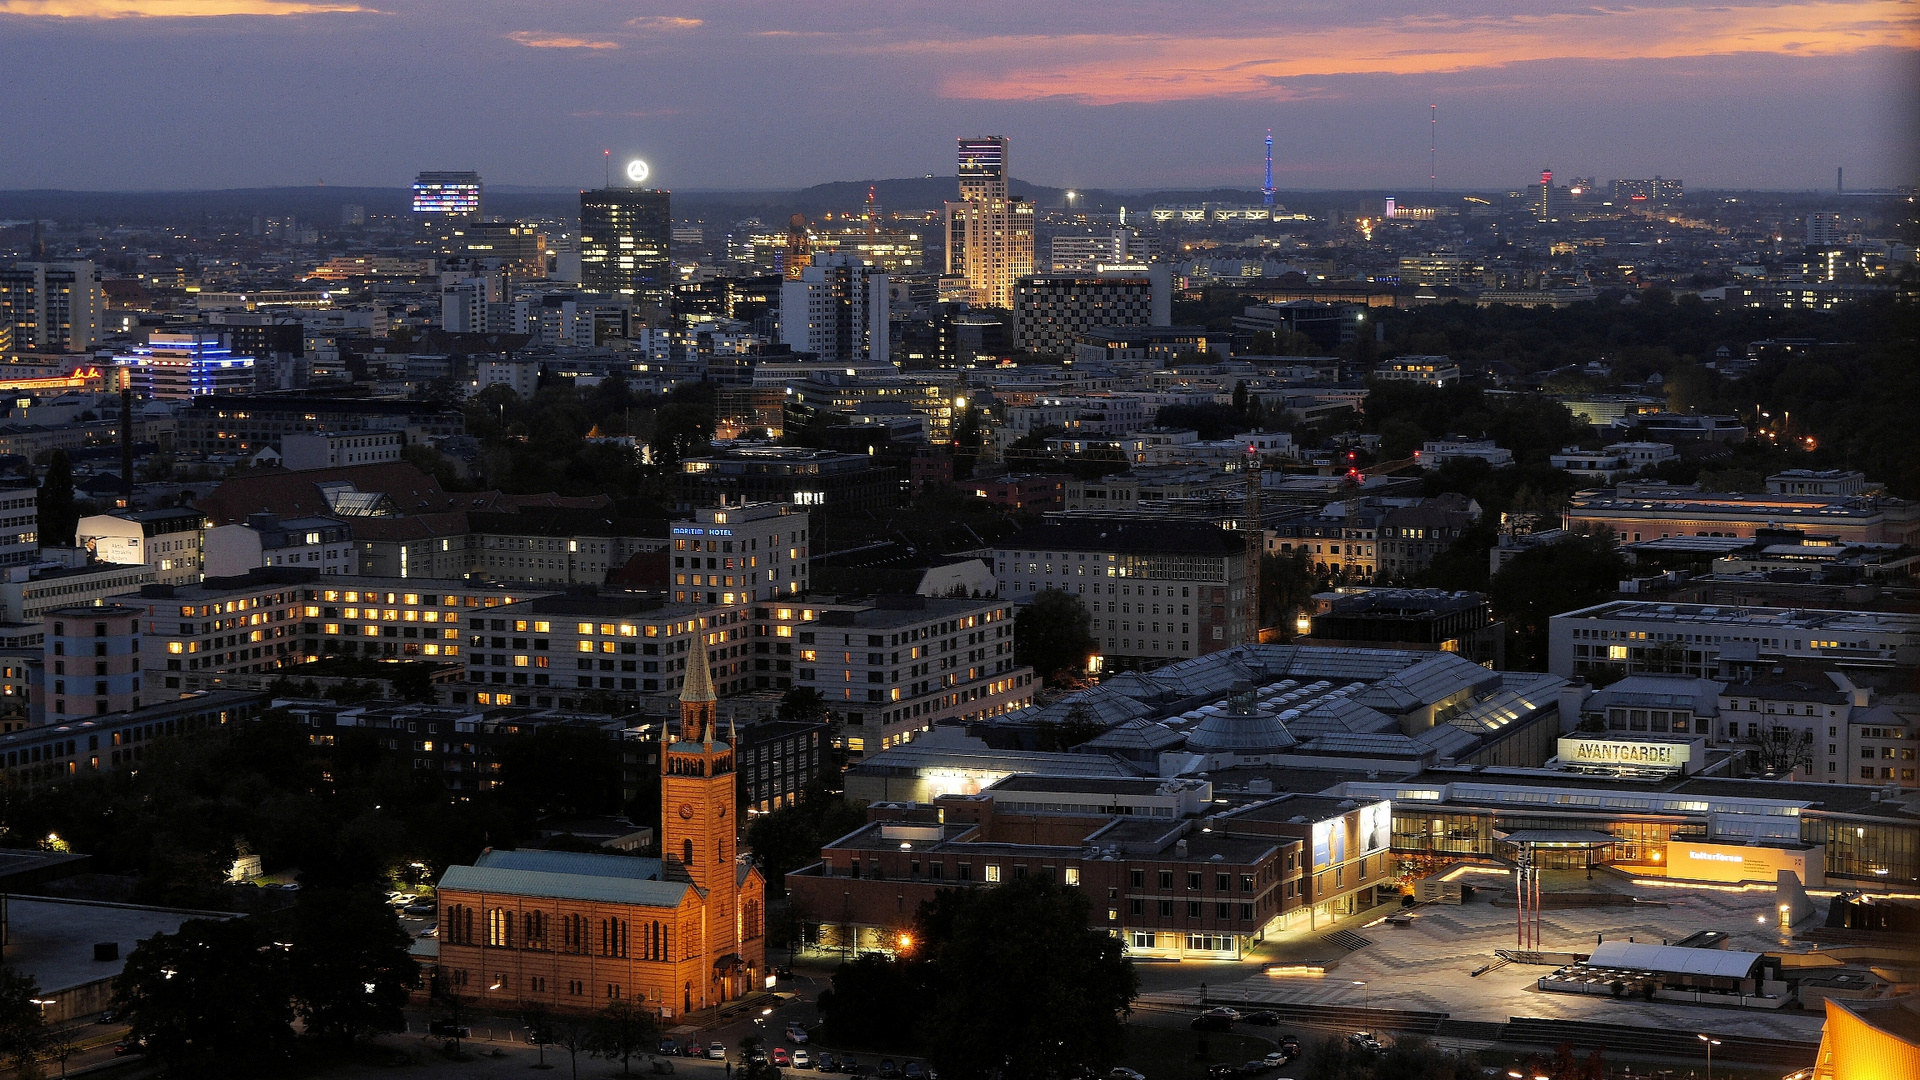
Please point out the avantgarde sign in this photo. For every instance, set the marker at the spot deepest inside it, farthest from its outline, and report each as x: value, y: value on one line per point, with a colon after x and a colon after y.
x: 637, y: 171
x: 1663, y: 755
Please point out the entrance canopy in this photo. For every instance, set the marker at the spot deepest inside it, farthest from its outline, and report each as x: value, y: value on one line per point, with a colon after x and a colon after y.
x: 1559, y: 838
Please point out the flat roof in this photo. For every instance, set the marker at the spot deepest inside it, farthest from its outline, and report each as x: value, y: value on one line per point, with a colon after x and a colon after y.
x: 1090, y: 785
x: 1737, y: 615
x: 52, y: 939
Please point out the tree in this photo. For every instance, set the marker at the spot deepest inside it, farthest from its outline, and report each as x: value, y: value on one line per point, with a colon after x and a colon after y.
x: 563, y: 769
x: 1781, y: 749
x: 1025, y: 990
x: 62, y: 1043
x: 1054, y: 634
x: 213, y: 994
x: 1286, y: 585
x: 803, y: 704
x: 574, y: 1035
x: 876, y: 1000
x: 622, y: 1029
x: 351, y: 970
x: 22, y: 1023
x: 1545, y: 581
x: 59, y: 517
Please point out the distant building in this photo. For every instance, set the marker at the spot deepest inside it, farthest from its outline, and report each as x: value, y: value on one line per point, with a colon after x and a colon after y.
x: 1436, y: 453
x: 327, y: 450
x: 1051, y: 312
x: 19, y: 520
x: 182, y: 365
x: 53, y: 307
x: 1025, y: 493
x: 1425, y: 370
x: 1157, y: 590
x: 92, y: 662
x: 1658, y: 191
x: 316, y: 543
x: 740, y: 554
x: 989, y: 233
x: 1122, y: 248
x: 1455, y: 622
x: 778, y: 760
x: 1634, y: 635
x: 837, y: 309
x: 626, y: 244
x: 171, y: 541
x: 819, y: 481
x: 438, y: 196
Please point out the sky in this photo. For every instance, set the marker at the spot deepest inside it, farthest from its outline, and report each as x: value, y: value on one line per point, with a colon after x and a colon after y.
x: 1119, y: 94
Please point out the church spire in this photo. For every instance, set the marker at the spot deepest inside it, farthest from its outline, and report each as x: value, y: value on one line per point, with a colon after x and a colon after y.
x: 697, y: 699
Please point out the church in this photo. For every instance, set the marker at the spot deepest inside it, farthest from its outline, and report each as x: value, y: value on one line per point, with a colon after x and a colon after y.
x: 573, y: 932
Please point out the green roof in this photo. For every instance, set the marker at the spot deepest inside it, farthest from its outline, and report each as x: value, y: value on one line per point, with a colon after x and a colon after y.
x: 564, y: 886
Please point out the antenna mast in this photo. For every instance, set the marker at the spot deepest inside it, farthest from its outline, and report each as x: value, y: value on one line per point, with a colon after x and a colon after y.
x: 1267, y: 191
x: 1433, y: 148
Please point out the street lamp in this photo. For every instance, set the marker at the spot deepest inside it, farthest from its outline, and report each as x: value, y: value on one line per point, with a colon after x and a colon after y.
x: 1366, y: 996
x: 1711, y: 1043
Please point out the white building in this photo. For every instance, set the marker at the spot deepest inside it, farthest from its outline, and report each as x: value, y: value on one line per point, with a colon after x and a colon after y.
x: 520, y: 376
x: 52, y: 306
x: 1640, y: 455
x: 1597, y: 465
x: 1425, y: 370
x: 19, y: 521
x: 328, y: 450
x: 1120, y: 249
x: 1638, y: 635
x: 171, y: 541
x: 316, y: 543
x: 738, y: 554
x: 837, y: 310
x: 467, y: 304
x: 1437, y: 452
x: 182, y: 365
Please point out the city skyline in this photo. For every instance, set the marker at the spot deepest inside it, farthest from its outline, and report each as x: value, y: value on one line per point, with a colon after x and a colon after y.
x: 1168, y: 97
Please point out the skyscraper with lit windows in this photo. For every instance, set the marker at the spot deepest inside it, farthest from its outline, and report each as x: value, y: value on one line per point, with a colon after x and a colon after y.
x: 180, y: 366
x: 441, y: 195
x: 989, y: 232
x: 626, y: 245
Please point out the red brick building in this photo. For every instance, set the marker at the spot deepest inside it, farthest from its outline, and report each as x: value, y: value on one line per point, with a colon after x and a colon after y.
x: 571, y: 931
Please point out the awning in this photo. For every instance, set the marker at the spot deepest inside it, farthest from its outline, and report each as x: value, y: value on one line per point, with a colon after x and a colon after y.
x: 727, y: 963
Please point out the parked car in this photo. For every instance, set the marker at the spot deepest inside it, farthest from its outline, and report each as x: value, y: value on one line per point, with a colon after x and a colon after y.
x: 1262, y: 1016
x: 1363, y: 1040
x: 1123, y: 1073
x: 1209, y: 1022
x: 779, y: 1056
x: 888, y: 1070
x: 108, y: 1017
x: 1276, y: 1059
x: 1254, y: 1067
x: 1222, y: 1071
x: 796, y: 1034
x: 828, y: 1063
x: 1289, y: 1046
x: 717, y: 1051
x: 692, y: 1049
x: 802, y: 1059
x: 850, y: 1066
x: 1224, y: 1010
x: 915, y: 1072
x: 669, y: 1047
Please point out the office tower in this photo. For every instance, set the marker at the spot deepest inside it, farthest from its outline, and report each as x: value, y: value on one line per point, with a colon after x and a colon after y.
x: 626, y: 244
x: 989, y: 232
x: 1824, y: 230
x: 517, y: 247
x: 182, y: 365
x: 1543, y: 206
x: 440, y: 195
x: 837, y: 310
x: 469, y: 305
x: 51, y: 306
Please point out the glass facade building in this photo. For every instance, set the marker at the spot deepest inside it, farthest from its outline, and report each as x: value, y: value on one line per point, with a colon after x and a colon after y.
x: 626, y: 243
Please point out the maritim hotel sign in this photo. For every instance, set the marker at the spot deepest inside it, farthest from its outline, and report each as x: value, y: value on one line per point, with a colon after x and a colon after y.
x: 1681, y: 756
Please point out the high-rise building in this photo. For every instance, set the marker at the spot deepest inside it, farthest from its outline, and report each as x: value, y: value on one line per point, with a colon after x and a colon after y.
x: 182, y: 365
x: 92, y: 661
x: 1120, y: 249
x: 626, y: 244
x: 51, y: 306
x: 518, y: 248
x: 1657, y: 190
x: 989, y: 232
x: 837, y: 310
x: 1824, y: 230
x: 1543, y: 204
x: 1052, y: 311
x: 441, y: 195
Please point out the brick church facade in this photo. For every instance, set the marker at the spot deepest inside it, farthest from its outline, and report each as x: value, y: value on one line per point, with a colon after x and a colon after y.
x: 574, y: 932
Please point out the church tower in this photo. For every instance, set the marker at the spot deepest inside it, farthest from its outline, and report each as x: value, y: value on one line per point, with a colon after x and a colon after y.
x: 698, y: 833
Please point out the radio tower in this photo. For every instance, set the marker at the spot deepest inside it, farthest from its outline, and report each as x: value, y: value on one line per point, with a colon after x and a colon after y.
x: 1256, y: 536
x: 1267, y: 191
x: 1433, y: 148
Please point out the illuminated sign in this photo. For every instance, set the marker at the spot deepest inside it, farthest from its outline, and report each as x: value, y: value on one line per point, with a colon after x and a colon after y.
x: 683, y: 530
x: 1734, y: 863
x: 637, y: 171
x: 1650, y: 755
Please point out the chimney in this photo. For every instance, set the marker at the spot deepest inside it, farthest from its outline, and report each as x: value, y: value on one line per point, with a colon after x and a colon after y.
x: 126, y: 435
x: 1180, y: 849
